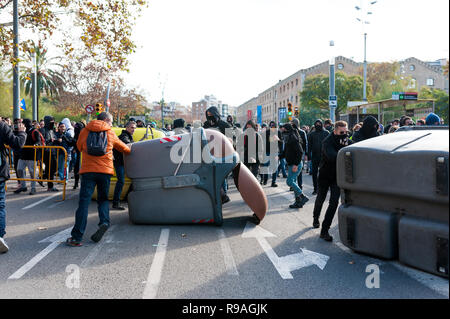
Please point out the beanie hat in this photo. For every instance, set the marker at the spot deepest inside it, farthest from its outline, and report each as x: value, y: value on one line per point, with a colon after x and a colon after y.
x: 432, y: 119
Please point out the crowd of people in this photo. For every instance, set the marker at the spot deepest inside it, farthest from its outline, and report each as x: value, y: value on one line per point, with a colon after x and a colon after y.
x: 311, y: 149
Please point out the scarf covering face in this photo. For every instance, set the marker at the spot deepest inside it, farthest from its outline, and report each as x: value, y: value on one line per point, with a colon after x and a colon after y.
x: 370, y: 127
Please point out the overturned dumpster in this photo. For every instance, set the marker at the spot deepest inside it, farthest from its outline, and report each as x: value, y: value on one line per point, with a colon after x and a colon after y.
x: 178, y: 179
x: 394, y: 191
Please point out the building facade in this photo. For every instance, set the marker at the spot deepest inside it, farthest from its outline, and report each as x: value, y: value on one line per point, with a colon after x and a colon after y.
x: 288, y: 90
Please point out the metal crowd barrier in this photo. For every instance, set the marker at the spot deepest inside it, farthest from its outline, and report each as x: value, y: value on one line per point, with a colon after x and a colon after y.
x: 40, y: 163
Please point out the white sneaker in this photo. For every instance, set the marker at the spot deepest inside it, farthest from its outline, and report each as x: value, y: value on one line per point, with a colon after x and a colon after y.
x: 3, y: 246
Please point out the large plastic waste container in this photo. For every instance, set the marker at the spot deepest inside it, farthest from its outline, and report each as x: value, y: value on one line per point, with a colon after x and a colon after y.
x: 139, y: 133
x: 178, y: 179
x: 395, y: 197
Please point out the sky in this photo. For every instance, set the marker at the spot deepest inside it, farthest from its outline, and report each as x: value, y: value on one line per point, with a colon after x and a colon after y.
x: 235, y: 49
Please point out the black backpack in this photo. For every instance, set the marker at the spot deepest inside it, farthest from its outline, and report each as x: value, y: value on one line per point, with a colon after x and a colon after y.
x: 97, y: 143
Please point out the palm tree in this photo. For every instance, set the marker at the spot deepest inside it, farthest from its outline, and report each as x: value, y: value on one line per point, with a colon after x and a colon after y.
x: 48, y: 80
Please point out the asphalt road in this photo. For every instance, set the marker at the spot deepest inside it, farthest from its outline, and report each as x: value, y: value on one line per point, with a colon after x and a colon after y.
x: 281, y: 258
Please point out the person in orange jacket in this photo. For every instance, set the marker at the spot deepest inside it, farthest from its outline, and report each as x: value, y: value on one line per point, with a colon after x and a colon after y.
x: 96, y: 143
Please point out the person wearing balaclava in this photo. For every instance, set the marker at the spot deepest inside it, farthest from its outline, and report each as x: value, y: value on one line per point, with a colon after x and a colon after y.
x: 27, y: 157
x: 213, y: 120
x: 48, y: 132
x: 327, y: 177
x: 368, y: 130
x: 315, y: 139
x: 304, y: 143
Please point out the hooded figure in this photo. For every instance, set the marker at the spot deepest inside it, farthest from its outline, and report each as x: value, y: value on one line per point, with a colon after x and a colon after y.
x: 69, y: 128
x: 178, y: 126
x: 213, y: 120
x: 315, y: 140
x: 432, y: 119
x: 368, y: 130
x: 49, y: 129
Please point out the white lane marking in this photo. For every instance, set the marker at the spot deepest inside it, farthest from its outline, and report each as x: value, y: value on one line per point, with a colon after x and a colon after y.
x: 41, y: 201
x: 154, y: 275
x: 98, y: 247
x: 55, y: 240
x: 59, y: 203
x: 284, y: 265
x: 230, y: 264
x: 434, y: 282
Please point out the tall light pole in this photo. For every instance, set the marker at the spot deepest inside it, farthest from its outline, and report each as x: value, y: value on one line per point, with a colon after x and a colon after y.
x: 16, y: 84
x: 363, y: 21
x: 332, y: 102
x: 34, y: 87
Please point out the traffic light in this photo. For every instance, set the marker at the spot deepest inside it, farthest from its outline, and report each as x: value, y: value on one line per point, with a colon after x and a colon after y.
x: 296, y: 111
x: 290, y: 111
x: 98, y: 108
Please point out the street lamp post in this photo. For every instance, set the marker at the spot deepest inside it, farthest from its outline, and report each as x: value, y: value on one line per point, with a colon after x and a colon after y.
x: 332, y: 86
x: 34, y: 87
x: 16, y: 84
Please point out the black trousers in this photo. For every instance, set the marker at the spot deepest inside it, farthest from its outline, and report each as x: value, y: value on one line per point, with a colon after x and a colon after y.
x: 50, y: 170
x: 314, y: 171
x: 323, y: 186
x: 76, y: 168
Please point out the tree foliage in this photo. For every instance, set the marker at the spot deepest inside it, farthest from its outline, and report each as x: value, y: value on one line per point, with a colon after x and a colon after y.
x: 99, y: 28
x: 315, y: 91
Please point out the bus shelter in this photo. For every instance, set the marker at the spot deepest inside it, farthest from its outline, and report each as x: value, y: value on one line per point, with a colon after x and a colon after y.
x: 385, y: 105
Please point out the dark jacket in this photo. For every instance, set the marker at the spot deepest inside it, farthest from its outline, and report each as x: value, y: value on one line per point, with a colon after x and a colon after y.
x: 256, y: 151
x: 15, y: 141
x: 368, y: 130
x: 293, y: 151
x: 315, y: 140
x: 215, y: 122
x: 33, y: 138
x: 127, y: 138
x: 327, y: 166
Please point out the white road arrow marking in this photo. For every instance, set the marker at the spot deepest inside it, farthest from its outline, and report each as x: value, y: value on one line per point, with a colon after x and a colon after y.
x: 55, y: 240
x: 284, y: 265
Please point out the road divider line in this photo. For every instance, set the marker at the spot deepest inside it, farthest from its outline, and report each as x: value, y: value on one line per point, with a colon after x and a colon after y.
x: 41, y: 201
x: 55, y: 240
x: 230, y: 264
x: 64, y: 201
x: 154, y: 275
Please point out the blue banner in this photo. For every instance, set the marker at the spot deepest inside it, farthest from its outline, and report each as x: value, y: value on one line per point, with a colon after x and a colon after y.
x: 259, y: 114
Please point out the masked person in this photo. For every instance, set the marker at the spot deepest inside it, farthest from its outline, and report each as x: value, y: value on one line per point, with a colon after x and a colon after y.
x: 368, y: 130
x: 327, y: 177
x: 304, y: 144
x: 293, y: 153
x: 213, y: 121
x: 48, y: 132
x: 315, y: 139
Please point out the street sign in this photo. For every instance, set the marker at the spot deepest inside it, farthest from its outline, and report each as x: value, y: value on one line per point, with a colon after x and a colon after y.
x: 332, y: 101
x: 259, y: 114
x: 404, y: 96
x: 281, y: 113
x: 249, y: 115
x: 89, y: 109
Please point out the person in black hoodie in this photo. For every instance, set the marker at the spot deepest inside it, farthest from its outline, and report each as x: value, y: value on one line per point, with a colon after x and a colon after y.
x: 327, y: 177
x: 315, y: 140
x: 15, y: 141
x: 50, y: 160
x: 213, y: 120
x: 76, y: 169
x: 293, y: 153
x: 127, y: 138
x: 304, y: 144
x: 368, y: 130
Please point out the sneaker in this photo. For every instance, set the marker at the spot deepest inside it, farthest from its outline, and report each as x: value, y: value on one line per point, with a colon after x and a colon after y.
x: 19, y: 190
x: 33, y: 191
x: 53, y: 189
x: 72, y: 242
x: 303, y: 199
x: 297, y: 203
x: 274, y: 185
x: 316, y: 223
x: 118, y: 207
x: 325, y: 236
x: 97, y: 236
x: 3, y: 246
x: 225, y: 199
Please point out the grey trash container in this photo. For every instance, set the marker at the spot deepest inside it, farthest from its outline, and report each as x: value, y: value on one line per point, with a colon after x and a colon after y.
x: 399, y: 178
